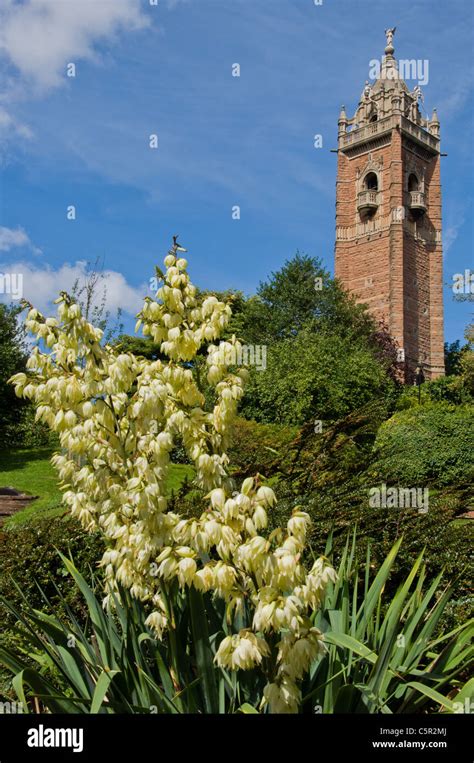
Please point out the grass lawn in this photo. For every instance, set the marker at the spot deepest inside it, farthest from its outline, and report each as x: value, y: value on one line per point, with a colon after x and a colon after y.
x: 30, y: 471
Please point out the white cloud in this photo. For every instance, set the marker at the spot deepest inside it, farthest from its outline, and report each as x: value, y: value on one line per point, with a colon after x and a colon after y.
x: 41, y: 286
x: 450, y: 235
x: 10, y: 127
x: 11, y: 238
x: 39, y: 37
x: 455, y: 217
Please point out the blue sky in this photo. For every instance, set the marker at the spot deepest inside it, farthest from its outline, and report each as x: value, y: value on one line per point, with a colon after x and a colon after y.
x: 222, y: 140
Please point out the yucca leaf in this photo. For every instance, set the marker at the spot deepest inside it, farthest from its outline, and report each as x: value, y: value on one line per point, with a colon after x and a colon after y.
x: 431, y: 694
x: 247, y: 709
x: 467, y: 692
x: 167, y: 705
x: 349, y: 699
x: 95, y: 610
x: 101, y: 688
x: 347, y: 642
x: 44, y: 690
x: 17, y: 683
x: 374, y: 592
x: 204, y: 656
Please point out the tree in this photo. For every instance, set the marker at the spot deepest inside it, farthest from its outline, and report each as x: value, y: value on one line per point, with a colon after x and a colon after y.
x: 91, y: 295
x: 452, y: 357
x: 325, y: 353
x: 12, y: 360
x: 467, y: 361
x: 301, y: 294
x: 138, y: 346
x: 316, y: 375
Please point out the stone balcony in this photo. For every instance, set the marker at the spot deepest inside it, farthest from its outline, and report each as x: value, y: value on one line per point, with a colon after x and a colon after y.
x: 420, y: 135
x: 417, y: 201
x: 367, y: 202
x: 365, y: 133
x: 375, y: 130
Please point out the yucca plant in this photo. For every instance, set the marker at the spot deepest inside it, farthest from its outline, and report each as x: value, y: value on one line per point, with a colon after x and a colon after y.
x: 119, y: 418
x: 384, y: 654
x: 115, y: 664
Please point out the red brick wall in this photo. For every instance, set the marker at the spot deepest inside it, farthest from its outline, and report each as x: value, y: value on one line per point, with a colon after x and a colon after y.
x: 397, y: 276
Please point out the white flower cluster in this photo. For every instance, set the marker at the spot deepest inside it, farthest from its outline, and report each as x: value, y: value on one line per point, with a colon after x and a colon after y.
x: 118, y: 417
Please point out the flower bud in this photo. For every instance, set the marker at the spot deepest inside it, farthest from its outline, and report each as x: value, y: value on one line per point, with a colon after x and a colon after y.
x: 266, y: 496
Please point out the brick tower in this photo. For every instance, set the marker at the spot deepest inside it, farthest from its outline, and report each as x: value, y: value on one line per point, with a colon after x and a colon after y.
x: 388, y: 214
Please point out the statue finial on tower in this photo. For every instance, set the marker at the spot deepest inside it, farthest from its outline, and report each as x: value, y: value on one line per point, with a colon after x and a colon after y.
x: 389, y: 35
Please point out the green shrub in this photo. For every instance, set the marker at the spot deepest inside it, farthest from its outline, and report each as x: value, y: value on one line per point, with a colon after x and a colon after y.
x: 259, y: 447
x: 29, y: 557
x: 316, y: 374
x: 429, y: 444
x: 447, y: 389
x: 33, y: 434
x: 383, y: 652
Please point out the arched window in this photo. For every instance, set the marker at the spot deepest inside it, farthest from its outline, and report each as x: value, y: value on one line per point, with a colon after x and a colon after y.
x: 371, y: 182
x: 373, y: 117
x: 413, y: 184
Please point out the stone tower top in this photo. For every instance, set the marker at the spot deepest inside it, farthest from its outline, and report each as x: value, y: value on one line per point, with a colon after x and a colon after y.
x: 387, y: 95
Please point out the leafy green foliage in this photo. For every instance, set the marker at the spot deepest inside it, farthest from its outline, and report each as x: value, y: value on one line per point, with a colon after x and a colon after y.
x: 453, y: 352
x: 315, y: 375
x: 325, y: 354
x: 385, y: 655
x: 447, y: 389
x: 29, y: 557
x: 12, y: 360
x: 467, y: 362
x: 302, y: 293
x: 334, y: 471
x: 141, y: 347
x: 441, y: 439
x: 17, y: 417
x: 258, y: 447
